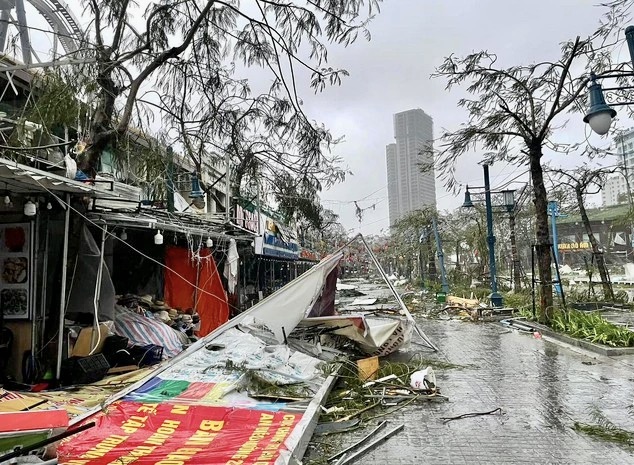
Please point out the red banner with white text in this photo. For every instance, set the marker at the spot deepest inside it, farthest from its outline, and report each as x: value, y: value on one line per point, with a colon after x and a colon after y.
x: 173, y: 434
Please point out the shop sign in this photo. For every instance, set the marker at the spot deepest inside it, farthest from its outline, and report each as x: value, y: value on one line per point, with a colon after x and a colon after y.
x: 248, y: 220
x: 273, y: 246
x: 574, y: 246
x: 308, y: 255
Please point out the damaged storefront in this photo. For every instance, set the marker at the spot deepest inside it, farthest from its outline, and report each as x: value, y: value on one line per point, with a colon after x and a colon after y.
x: 270, y: 259
x: 88, y: 291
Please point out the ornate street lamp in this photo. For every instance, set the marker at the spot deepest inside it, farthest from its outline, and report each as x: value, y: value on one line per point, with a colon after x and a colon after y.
x: 509, y: 203
x: 600, y: 114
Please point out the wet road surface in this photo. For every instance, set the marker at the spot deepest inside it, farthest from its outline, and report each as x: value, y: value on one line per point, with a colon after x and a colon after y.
x: 542, y: 387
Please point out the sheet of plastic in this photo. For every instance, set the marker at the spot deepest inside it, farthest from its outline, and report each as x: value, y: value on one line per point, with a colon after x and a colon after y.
x: 282, y: 311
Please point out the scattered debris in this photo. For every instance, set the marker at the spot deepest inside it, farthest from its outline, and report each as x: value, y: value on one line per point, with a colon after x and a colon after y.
x: 337, y: 426
x: 350, y: 458
x: 471, y: 415
x: 358, y: 443
x: 368, y: 368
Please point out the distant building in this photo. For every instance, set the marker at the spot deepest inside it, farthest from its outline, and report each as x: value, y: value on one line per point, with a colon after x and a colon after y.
x: 409, y: 188
x: 624, y: 143
x: 614, y: 191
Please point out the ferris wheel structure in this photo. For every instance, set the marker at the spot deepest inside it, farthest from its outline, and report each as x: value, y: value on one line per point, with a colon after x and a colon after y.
x: 65, y: 30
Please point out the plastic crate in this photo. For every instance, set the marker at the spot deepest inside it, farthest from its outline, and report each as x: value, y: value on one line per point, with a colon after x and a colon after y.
x: 84, y: 370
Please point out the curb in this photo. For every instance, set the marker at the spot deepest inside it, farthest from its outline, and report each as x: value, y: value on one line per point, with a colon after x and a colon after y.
x: 587, y: 345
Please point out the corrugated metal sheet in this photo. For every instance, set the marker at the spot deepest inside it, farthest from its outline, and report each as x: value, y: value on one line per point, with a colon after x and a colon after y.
x: 25, y: 179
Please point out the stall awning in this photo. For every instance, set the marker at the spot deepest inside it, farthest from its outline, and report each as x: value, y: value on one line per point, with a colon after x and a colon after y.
x: 163, y: 221
x: 23, y: 179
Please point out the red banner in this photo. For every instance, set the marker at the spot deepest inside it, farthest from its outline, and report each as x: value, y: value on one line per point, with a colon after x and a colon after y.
x: 173, y: 434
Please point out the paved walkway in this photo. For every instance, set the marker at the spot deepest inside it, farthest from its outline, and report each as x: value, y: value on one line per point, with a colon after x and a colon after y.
x: 542, y: 387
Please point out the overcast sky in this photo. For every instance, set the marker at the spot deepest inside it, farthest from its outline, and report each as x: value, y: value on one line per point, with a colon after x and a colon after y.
x: 391, y: 73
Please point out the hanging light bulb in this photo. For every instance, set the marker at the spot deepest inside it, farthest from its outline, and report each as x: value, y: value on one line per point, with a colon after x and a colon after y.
x: 209, y: 243
x: 49, y: 206
x: 29, y: 208
x: 158, y: 238
x: 123, y: 236
x: 7, y: 200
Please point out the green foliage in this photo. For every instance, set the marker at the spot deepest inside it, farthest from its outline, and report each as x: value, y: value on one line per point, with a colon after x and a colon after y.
x: 616, y: 435
x: 592, y: 327
x: 518, y: 300
x: 54, y: 103
x: 606, y: 430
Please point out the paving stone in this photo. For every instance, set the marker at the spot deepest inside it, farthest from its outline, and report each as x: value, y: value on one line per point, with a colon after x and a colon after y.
x: 542, y: 387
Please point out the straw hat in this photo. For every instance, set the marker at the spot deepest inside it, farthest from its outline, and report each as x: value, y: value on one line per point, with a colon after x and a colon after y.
x: 173, y: 313
x: 187, y: 319
x: 159, y: 305
x: 145, y: 300
x: 164, y: 316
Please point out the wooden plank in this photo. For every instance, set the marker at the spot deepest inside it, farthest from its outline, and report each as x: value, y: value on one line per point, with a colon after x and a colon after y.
x: 125, y: 369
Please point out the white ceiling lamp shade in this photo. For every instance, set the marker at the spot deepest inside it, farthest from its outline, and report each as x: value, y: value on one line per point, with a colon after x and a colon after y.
x: 158, y: 238
x: 124, y: 235
x: 30, y: 209
x: 7, y: 200
x: 209, y: 243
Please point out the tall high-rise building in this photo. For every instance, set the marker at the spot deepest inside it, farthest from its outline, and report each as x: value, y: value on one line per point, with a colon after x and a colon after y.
x: 409, y: 186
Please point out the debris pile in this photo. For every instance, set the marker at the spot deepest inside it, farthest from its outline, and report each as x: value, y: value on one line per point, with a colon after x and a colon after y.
x: 393, y: 386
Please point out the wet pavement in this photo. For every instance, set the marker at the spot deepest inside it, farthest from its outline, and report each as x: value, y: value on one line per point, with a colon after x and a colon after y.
x: 542, y: 387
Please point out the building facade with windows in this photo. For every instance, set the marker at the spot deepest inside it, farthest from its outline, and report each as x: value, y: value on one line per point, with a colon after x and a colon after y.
x: 410, y: 172
x: 614, y: 191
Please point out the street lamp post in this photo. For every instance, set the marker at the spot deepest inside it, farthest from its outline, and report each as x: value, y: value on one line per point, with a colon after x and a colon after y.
x: 509, y: 203
x: 496, y: 297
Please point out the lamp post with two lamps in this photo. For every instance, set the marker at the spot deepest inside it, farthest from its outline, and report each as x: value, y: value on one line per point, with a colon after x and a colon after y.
x: 508, y: 203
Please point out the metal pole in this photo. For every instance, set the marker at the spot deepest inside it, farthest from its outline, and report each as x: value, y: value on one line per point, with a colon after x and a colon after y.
x: 97, y: 295
x: 554, y: 213
x: 170, y: 180
x: 381, y: 271
x: 533, y: 295
x: 62, y: 300
x: 496, y: 298
x: 23, y: 32
x: 517, y: 283
x: 227, y: 187
x: 44, y: 292
x: 4, y: 27
x: 629, y: 37
x: 441, y: 258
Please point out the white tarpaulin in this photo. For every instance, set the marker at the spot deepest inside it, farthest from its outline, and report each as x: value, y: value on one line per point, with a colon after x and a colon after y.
x: 282, y: 311
x: 231, y: 266
x: 375, y: 335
